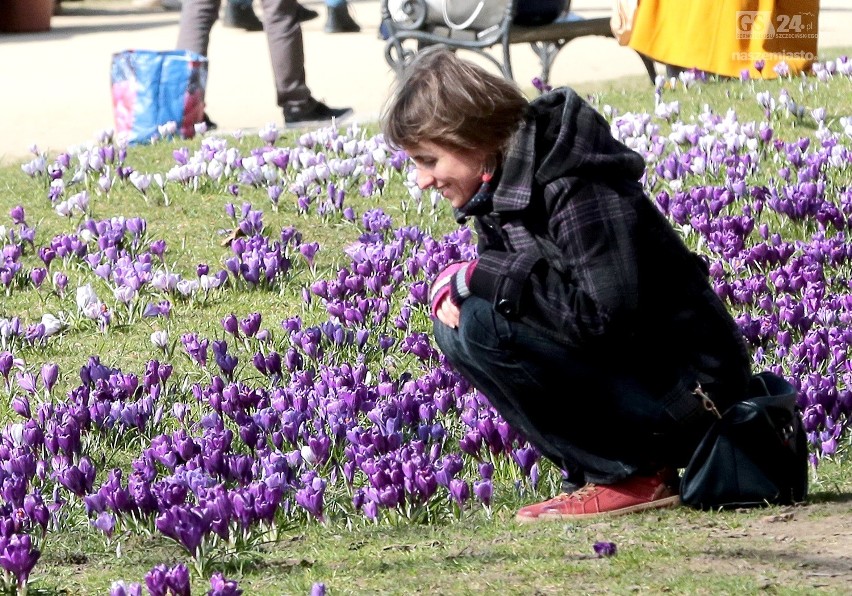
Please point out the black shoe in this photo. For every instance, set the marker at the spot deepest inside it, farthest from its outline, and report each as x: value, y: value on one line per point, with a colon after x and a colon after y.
x: 210, y: 124
x: 319, y: 113
x: 305, y: 14
x: 340, y: 21
x: 242, y: 17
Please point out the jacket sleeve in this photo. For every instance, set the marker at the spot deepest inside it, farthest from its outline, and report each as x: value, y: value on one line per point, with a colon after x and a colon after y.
x: 585, y: 288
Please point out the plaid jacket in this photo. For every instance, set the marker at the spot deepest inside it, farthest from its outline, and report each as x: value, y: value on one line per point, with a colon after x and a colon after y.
x: 574, y: 248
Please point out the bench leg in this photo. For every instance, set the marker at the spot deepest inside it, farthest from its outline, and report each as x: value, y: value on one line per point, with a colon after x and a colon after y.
x: 507, y: 60
x: 397, y: 56
x: 546, y: 52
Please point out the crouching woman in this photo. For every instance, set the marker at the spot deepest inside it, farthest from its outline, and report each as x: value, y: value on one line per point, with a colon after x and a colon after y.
x: 585, y: 320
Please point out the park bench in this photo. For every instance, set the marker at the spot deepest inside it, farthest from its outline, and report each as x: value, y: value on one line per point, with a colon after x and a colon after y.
x: 407, y: 30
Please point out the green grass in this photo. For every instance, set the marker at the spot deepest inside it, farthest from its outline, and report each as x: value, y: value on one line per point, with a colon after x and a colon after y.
x: 678, y: 551
x: 780, y: 550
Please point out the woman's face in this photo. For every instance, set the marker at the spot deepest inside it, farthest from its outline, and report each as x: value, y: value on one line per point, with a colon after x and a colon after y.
x: 457, y: 175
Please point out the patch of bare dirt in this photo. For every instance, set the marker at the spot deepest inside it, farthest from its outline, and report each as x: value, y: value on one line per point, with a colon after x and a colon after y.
x: 808, y: 547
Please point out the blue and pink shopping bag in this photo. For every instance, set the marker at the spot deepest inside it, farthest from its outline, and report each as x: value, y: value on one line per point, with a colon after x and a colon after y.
x: 151, y: 88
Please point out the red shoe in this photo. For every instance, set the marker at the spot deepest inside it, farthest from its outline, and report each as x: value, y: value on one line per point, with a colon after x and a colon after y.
x: 628, y: 496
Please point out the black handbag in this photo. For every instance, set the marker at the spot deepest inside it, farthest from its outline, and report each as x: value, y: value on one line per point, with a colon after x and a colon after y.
x: 755, y: 454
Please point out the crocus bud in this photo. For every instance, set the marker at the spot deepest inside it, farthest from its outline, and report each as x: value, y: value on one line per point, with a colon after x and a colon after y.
x: 49, y: 374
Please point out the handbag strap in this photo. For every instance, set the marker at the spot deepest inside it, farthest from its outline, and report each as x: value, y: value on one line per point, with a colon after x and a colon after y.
x: 687, y: 402
x: 465, y: 24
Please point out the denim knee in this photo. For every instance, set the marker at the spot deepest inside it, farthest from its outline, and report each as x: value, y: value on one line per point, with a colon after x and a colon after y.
x: 447, y: 340
x: 480, y: 330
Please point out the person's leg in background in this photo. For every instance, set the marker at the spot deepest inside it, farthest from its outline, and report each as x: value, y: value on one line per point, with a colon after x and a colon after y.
x: 240, y: 14
x: 339, y: 19
x: 287, y: 52
x: 196, y: 20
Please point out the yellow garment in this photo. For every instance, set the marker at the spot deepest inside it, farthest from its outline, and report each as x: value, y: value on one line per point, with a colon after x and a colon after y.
x: 726, y: 37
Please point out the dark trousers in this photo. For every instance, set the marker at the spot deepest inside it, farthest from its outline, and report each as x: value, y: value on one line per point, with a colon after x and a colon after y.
x: 283, y: 34
x: 598, y: 424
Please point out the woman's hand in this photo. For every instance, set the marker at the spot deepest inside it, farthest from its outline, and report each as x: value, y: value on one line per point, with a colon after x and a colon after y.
x: 448, y: 313
x: 449, y: 290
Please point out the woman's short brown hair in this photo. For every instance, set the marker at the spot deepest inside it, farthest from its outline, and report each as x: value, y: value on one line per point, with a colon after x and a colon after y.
x: 452, y: 102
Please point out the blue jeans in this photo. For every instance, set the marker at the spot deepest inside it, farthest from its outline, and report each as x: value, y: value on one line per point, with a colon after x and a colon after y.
x: 595, y: 422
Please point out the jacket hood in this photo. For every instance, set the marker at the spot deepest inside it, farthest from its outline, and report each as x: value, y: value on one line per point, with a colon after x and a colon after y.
x: 566, y: 137
x: 573, y: 139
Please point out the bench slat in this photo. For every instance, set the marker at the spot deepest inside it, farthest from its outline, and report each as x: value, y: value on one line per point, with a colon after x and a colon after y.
x: 561, y: 30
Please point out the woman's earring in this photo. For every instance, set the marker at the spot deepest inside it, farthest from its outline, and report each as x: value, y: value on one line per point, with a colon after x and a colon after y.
x: 486, y: 177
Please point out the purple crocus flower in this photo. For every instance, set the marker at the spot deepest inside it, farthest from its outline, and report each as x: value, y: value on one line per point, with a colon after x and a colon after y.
x: 37, y: 275
x: 177, y: 579
x: 605, y: 549
x: 318, y: 589
x: 273, y: 363
x: 251, y: 324
x: 46, y: 254
x: 371, y: 510
x: 225, y: 361
x: 274, y: 193
x: 483, y: 489
x: 219, y: 586
x: 186, y: 526
x: 19, y: 557
x: 311, y: 495
x: 155, y: 579
x: 17, y: 214
x: 540, y: 85
x: 158, y: 248
x: 26, y: 381
x: 309, y: 251
x: 49, y: 374
x: 119, y: 588
x: 36, y: 510
x: 105, y: 523
x: 231, y: 325
x: 6, y: 362
x: 76, y: 478
x: 21, y: 405
x: 459, y: 491
x: 197, y: 349
x: 525, y: 458
x: 60, y: 282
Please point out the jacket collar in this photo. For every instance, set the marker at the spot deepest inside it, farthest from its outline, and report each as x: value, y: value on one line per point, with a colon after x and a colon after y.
x: 515, y: 186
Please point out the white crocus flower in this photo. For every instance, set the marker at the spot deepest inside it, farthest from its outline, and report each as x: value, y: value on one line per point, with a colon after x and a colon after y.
x: 187, y: 287
x: 140, y: 181
x: 52, y: 325
x: 16, y: 434
x: 63, y: 209
x: 208, y: 282
x: 308, y: 454
x: 86, y: 297
x: 160, y: 339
